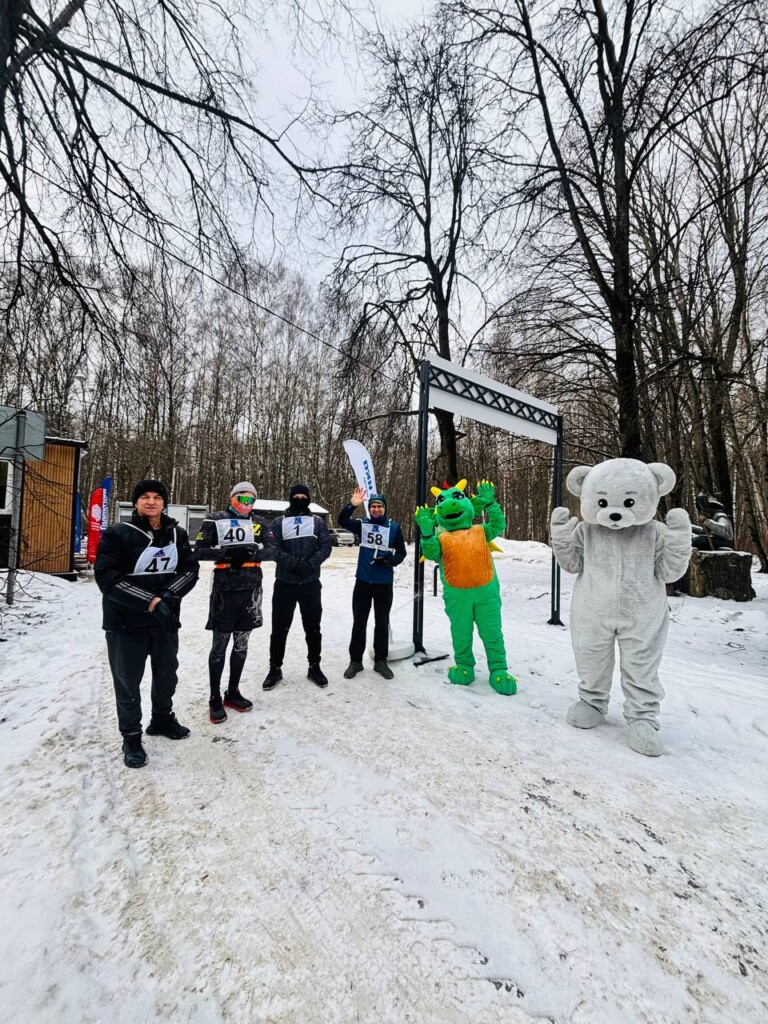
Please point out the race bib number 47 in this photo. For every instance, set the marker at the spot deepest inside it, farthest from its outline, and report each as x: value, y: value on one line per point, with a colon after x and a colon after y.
x: 155, y: 560
x: 234, y: 531
x: 374, y: 536
x: 298, y: 526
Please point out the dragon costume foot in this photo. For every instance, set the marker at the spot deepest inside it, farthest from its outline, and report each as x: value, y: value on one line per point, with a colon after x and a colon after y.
x: 503, y: 682
x: 461, y: 675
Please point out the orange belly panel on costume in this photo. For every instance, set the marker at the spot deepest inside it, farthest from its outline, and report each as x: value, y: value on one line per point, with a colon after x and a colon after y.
x: 466, y: 558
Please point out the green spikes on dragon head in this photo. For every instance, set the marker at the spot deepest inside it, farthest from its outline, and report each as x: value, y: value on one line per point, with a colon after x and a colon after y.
x: 453, y: 508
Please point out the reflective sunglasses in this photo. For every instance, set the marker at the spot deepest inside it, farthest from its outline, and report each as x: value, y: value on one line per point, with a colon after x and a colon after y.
x: 244, y: 499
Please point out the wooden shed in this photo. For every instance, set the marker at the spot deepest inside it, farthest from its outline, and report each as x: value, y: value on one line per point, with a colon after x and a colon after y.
x: 48, y: 508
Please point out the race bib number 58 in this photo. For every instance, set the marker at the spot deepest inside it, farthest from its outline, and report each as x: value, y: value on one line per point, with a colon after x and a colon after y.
x: 374, y: 536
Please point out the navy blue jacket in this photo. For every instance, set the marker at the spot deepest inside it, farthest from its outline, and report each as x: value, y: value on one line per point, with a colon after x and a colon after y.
x: 369, y: 570
x: 287, y: 553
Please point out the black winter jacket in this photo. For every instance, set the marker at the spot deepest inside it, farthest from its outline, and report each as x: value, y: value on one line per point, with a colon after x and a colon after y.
x: 127, y: 595
x: 237, y: 566
x: 288, y: 553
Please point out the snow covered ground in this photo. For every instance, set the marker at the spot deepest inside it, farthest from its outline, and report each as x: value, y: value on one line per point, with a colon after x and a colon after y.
x: 380, y: 852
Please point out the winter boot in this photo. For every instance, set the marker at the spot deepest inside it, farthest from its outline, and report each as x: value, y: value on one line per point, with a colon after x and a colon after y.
x: 644, y: 738
x: 584, y: 716
x: 383, y: 668
x: 274, y: 676
x: 352, y: 669
x: 133, y: 752
x: 216, y: 711
x: 166, y: 725
x: 316, y: 674
x: 234, y: 699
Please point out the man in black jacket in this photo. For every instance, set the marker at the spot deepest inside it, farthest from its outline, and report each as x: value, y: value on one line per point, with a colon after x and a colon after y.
x: 234, y: 540
x: 299, y: 542
x: 143, y: 569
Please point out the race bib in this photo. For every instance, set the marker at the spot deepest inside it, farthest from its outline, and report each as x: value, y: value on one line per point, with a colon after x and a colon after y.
x: 298, y: 526
x: 374, y: 536
x: 157, y: 560
x: 234, y: 531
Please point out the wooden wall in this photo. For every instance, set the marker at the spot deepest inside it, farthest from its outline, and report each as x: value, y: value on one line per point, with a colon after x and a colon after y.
x: 46, y: 511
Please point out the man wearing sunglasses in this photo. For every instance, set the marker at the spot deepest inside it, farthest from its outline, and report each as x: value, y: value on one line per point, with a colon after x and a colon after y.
x: 234, y: 541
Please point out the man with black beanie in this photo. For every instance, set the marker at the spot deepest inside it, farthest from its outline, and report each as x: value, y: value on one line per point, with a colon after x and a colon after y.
x: 300, y: 542
x: 143, y: 569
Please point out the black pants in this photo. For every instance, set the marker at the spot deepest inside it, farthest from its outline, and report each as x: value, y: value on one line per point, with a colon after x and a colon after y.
x: 365, y: 594
x: 285, y: 597
x: 128, y: 650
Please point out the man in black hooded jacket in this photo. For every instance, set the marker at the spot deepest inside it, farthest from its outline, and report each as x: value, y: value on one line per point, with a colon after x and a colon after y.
x: 299, y: 542
x: 143, y: 569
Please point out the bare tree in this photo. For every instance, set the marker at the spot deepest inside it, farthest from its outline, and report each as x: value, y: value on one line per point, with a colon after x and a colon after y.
x: 603, y: 85
x: 125, y: 130
x: 417, y: 189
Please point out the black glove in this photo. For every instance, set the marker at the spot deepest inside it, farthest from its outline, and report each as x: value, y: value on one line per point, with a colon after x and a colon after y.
x: 237, y: 557
x: 303, y: 568
x: 171, y: 599
x: 166, y: 616
x: 383, y: 561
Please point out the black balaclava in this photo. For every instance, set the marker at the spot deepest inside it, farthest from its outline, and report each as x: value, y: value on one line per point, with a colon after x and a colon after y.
x: 299, y: 507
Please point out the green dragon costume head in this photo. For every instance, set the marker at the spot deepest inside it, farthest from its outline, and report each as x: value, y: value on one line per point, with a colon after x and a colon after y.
x: 453, y: 508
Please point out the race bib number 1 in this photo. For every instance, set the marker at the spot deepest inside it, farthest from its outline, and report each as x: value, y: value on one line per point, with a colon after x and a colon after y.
x: 374, y: 536
x: 234, y: 531
x: 298, y: 526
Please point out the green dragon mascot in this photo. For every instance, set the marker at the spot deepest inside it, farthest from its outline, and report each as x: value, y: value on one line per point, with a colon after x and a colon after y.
x: 470, y: 585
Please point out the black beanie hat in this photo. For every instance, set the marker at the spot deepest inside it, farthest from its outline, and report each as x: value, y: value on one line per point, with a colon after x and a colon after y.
x: 299, y: 489
x: 149, y: 485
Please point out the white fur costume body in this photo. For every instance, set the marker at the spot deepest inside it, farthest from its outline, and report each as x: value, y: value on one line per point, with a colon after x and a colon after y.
x: 623, y: 558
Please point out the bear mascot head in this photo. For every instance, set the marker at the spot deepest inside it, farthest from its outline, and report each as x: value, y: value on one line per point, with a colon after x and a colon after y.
x: 620, y: 492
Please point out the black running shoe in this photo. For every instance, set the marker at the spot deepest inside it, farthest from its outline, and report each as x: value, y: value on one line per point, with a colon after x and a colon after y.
x: 315, y: 673
x: 134, y: 755
x: 274, y: 676
x: 235, y: 699
x: 216, y: 711
x: 166, y: 725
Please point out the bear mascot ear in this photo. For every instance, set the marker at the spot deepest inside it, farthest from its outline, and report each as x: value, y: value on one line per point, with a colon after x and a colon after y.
x: 576, y: 477
x: 665, y: 476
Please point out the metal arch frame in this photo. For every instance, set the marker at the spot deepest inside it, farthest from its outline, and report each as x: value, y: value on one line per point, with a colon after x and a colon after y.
x: 453, y: 383
x: 473, y: 391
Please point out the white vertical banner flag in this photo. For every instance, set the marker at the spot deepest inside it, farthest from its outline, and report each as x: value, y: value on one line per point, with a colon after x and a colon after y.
x: 362, y: 465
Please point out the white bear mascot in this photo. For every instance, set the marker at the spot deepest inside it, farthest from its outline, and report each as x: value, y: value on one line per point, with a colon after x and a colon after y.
x: 623, y: 558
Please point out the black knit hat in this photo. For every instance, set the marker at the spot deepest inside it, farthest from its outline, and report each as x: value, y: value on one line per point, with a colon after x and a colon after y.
x: 149, y: 485
x: 299, y: 489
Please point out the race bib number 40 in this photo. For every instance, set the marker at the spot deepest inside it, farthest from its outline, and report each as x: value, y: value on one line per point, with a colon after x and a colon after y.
x: 156, y: 560
x: 234, y: 531
x: 298, y: 526
x: 374, y: 536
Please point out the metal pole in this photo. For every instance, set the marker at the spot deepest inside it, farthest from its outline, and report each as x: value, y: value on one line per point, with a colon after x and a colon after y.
x: 18, y: 472
x: 557, y: 500
x: 421, y: 497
